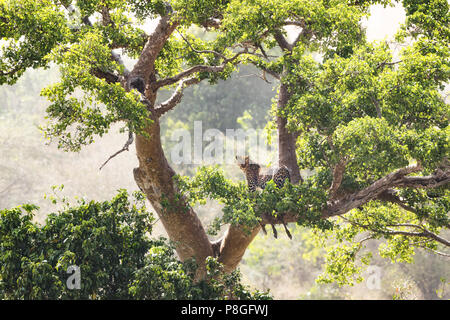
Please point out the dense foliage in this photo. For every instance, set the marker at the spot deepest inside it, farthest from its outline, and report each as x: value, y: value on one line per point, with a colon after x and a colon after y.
x: 110, y: 243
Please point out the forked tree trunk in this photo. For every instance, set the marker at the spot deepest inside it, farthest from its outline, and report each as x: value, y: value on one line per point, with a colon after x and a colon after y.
x: 155, y: 178
x: 154, y: 175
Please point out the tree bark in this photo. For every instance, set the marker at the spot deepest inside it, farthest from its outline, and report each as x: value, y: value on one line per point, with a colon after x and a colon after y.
x: 155, y: 178
x: 234, y: 245
x: 154, y: 175
x: 286, y: 140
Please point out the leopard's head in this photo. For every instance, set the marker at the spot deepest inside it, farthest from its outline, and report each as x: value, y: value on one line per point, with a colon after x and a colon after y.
x: 247, y: 165
x: 251, y: 171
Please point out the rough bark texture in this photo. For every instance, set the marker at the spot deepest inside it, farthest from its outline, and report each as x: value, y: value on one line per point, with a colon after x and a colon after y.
x: 154, y: 174
x: 234, y: 244
x: 155, y: 177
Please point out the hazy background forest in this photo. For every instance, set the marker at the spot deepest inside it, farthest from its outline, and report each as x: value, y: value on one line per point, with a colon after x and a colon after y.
x: 30, y: 165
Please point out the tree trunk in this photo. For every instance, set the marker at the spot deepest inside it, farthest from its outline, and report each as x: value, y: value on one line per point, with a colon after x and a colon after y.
x: 154, y: 175
x: 286, y: 139
x: 155, y: 178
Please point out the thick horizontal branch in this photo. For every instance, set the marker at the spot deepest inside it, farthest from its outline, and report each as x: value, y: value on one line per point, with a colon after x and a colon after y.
x: 397, y: 179
x: 279, y: 219
x: 361, y: 197
x: 105, y: 75
x: 390, y: 195
x: 187, y: 73
x: 110, y: 76
x: 379, y: 190
x: 440, y: 178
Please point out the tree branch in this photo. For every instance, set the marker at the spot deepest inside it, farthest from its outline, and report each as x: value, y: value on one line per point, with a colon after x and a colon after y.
x: 282, y: 42
x: 438, y: 179
x: 108, y: 76
x: 176, y: 96
x: 201, y: 51
x: 195, y: 69
x: 305, y: 34
x: 424, y: 234
x: 124, y: 148
x: 379, y: 190
x: 338, y: 174
x: 389, y: 195
x: 155, y: 42
x: 359, y: 198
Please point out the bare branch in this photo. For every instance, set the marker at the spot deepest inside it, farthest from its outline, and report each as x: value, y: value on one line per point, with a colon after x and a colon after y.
x: 263, y: 76
x: 201, y: 51
x: 386, y: 63
x: 424, y: 234
x: 124, y: 148
x: 176, y: 96
x: 195, y: 69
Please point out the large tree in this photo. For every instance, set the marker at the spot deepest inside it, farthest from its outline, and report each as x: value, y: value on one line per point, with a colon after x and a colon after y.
x: 374, y: 129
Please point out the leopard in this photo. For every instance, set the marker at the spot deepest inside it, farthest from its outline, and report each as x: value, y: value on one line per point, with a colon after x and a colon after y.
x: 256, y: 179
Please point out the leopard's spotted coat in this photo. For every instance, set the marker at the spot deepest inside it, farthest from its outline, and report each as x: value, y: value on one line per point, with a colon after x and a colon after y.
x: 257, y: 180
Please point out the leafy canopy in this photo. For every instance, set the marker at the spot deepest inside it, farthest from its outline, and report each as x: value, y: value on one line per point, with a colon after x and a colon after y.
x: 366, y: 107
x: 360, y: 106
